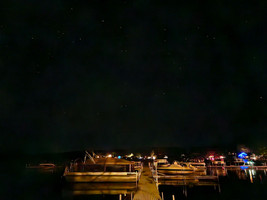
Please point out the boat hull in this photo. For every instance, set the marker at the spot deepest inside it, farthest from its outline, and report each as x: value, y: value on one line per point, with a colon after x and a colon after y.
x: 172, y: 171
x: 105, y: 177
x: 200, y: 169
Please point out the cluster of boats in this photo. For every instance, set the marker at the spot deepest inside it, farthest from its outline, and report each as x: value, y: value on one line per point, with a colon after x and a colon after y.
x: 96, y: 174
x: 94, y: 169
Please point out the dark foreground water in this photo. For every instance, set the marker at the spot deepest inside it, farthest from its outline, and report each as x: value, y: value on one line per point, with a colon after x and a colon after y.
x: 233, y: 184
x: 21, y: 183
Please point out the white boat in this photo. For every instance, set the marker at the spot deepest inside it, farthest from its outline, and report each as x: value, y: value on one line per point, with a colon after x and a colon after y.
x: 218, y: 162
x: 239, y: 161
x: 176, y: 168
x: 42, y: 166
x: 198, y: 166
x: 162, y: 162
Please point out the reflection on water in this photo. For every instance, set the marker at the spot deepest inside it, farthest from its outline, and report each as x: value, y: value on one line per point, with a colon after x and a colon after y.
x: 236, y: 183
x: 217, y: 171
x: 102, y: 190
x: 242, y: 173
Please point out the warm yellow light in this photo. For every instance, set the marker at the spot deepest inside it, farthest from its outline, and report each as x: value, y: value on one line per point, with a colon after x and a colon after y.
x: 130, y: 155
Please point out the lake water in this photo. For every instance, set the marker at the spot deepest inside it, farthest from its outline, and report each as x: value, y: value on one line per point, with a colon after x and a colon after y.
x: 233, y: 184
x: 21, y: 183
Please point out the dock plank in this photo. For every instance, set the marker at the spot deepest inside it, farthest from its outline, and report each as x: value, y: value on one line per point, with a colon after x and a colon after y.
x: 147, y: 189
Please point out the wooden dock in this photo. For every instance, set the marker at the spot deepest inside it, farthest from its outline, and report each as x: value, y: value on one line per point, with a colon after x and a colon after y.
x: 147, y: 189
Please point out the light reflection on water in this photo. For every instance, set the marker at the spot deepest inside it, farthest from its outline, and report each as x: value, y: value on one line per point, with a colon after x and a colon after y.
x: 124, y: 191
x: 234, y: 183
x: 242, y: 173
x: 38, y: 184
x: 226, y: 176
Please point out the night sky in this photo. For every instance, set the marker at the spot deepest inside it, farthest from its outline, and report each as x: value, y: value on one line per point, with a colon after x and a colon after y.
x: 125, y: 74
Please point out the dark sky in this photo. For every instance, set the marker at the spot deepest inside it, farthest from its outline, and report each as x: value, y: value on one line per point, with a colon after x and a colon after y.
x: 95, y: 74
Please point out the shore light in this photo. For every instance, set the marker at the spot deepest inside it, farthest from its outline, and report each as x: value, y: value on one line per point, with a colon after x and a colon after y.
x: 242, y: 155
x: 211, y: 157
x: 130, y: 155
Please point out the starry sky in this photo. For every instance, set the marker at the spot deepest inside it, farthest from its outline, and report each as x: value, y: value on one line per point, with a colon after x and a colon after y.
x: 126, y: 74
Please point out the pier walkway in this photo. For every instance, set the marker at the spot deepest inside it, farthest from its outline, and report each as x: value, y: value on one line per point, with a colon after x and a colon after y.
x: 147, y: 189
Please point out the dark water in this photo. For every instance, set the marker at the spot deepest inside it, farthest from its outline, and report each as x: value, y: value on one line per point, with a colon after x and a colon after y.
x: 21, y: 183
x: 233, y: 184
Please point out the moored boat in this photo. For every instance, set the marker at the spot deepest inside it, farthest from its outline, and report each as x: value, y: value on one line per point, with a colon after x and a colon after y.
x: 102, y: 170
x: 42, y: 166
x: 162, y: 162
x: 176, y: 168
x: 198, y: 166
